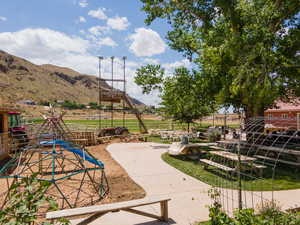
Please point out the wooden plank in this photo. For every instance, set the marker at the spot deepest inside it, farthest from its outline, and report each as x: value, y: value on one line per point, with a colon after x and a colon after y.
x: 217, y: 148
x: 272, y: 148
x: 258, y: 166
x: 232, y: 156
x: 277, y: 160
x: 217, y: 165
x: 105, y: 207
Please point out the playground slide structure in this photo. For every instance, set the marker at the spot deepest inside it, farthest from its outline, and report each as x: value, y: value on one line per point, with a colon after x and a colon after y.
x: 71, y: 148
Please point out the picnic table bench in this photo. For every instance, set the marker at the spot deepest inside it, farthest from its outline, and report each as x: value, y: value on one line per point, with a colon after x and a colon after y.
x: 100, y: 210
x: 246, y: 161
x: 233, y: 156
x: 207, y: 163
x: 278, y: 160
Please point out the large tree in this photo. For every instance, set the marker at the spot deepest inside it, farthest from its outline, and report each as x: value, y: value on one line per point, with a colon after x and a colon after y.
x: 182, y: 99
x: 248, y: 51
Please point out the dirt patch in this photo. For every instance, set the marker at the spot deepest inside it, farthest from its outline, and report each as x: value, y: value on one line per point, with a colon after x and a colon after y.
x: 122, y: 187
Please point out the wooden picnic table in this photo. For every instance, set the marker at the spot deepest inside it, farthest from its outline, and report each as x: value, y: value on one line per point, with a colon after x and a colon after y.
x: 233, y: 156
x: 176, y: 148
x: 247, y: 163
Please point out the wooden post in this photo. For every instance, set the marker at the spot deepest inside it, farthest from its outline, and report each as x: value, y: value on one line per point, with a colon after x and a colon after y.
x: 6, y: 145
x: 164, y: 211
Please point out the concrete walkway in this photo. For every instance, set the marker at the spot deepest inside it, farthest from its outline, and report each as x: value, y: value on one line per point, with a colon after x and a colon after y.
x: 189, y: 196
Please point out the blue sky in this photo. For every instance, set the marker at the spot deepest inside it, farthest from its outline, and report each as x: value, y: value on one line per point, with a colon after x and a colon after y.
x: 73, y: 33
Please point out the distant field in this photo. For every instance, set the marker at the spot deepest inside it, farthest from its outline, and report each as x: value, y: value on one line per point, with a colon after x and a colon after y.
x: 132, y: 124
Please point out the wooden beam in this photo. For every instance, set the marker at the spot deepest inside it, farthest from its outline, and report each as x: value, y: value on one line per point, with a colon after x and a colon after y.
x: 104, y: 208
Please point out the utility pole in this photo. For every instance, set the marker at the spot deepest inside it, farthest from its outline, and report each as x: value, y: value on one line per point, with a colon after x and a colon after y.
x: 100, y: 93
x: 124, y: 87
x: 112, y: 91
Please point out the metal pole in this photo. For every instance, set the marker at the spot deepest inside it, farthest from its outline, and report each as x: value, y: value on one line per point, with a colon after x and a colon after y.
x: 225, y: 123
x: 112, y: 91
x: 100, y: 94
x: 124, y: 88
x: 239, y: 174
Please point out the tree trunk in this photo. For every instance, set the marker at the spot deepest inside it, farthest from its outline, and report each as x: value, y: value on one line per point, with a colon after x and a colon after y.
x: 254, y: 124
x: 188, y: 127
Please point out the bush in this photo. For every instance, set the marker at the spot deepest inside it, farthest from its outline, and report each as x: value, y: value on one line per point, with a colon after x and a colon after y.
x: 269, y: 213
x: 72, y: 105
x: 25, y: 199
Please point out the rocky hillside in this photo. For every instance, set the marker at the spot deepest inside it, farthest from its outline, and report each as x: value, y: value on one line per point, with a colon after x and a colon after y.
x: 23, y: 80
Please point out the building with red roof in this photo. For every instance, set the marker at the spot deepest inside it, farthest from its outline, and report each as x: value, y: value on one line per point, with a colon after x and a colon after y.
x: 284, y: 115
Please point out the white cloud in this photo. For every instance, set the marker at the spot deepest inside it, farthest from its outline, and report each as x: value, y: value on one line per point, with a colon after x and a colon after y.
x: 98, y: 30
x: 174, y: 65
x: 42, y: 46
x: 45, y: 46
x: 2, y: 18
x: 146, y: 42
x: 82, y: 19
x: 99, y: 13
x: 107, y: 41
x: 34, y: 41
x: 83, y: 3
x: 151, y: 61
x: 118, y: 23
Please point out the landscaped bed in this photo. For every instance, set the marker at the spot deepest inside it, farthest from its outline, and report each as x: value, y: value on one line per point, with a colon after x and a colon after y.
x: 285, y: 179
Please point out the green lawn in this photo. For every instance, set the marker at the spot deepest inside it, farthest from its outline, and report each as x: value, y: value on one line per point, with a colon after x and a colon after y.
x: 285, y: 178
x: 133, y: 124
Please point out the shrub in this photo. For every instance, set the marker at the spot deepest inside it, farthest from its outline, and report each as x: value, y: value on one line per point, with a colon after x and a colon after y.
x: 26, y: 198
x: 269, y: 213
x: 72, y: 105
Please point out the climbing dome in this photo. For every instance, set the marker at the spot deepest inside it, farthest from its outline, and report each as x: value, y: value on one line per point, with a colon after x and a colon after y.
x: 77, y: 178
x: 255, y: 162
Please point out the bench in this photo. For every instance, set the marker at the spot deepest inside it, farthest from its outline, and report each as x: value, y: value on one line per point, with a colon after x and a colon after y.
x: 100, y: 210
x: 207, y: 163
x: 257, y: 168
x: 218, y: 148
x: 278, y: 160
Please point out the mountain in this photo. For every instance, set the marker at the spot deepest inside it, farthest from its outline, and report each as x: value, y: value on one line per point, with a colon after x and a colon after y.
x: 23, y: 80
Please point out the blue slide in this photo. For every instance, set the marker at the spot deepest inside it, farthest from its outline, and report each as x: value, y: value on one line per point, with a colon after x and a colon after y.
x: 77, y: 151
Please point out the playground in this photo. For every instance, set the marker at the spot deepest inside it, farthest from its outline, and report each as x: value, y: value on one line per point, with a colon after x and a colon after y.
x: 113, y: 169
x: 130, y: 175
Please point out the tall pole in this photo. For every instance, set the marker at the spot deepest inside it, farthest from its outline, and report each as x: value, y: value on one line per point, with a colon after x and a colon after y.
x: 100, y: 94
x: 225, y: 123
x: 124, y: 88
x: 239, y: 175
x: 112, y: 91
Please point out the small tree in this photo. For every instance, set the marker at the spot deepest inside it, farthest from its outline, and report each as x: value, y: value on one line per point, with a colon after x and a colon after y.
x: 182, y: 99
x: 25, y: 200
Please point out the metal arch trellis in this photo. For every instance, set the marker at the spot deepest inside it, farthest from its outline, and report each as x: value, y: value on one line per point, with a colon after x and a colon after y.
x: 77, y: 177
x: 272, y: 147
